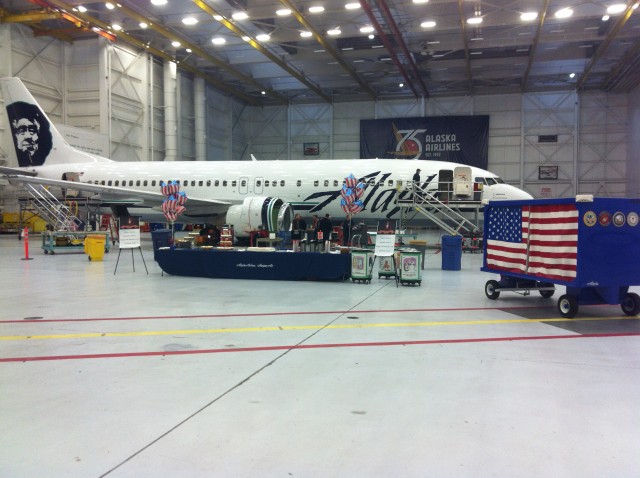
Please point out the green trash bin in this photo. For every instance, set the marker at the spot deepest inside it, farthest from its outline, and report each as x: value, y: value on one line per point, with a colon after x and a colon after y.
x: 410, y: 267
x: 362, y: 265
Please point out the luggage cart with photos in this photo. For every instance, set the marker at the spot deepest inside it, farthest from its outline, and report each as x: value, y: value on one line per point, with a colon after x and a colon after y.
x: 589, y: 245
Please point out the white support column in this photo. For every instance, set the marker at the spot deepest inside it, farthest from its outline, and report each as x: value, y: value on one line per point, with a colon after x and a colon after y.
x: 200, y: 122
x: 6, y: 68
x: 170, y: 112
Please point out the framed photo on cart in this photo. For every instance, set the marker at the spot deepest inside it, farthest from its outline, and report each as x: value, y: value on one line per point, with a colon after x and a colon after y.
x: 549, y: 173
x: 311, y: 149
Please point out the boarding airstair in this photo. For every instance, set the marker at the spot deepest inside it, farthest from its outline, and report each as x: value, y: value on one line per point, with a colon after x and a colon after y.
x: 444, y: 215
x: 55, y: 213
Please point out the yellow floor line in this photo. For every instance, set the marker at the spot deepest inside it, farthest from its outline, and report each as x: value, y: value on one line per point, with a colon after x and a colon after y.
x: 303, y: 327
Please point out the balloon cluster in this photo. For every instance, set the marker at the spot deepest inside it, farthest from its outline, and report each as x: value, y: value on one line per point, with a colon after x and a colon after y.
x: 351, y: 193
x: 173, y: 206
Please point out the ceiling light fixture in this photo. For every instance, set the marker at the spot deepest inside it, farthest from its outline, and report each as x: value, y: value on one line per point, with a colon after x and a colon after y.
x: 428, y: 24
x: 352, y: 6
x: 371, y: 36
x: 572, y: 75
x: 401, y: 85
x: 239, y: 16
x: 564, y: 13
x: 528, y: 16
x: 366, y: 29
x: 217, y: 18
x: 334, y: 32
x: 316, y: 9
x: 283, y: 12
x: 218, y: 41
x: 189, y: 50
x: 474, y: 21
x: 305, y: 34
x: 616, y: 8
x: 263, y: 37
x: 175, y: 44
x: 158, y: 2
x: 420, y: 2
x: 189, y: 20
x: 82, y: 9
x: 143, y: 25
x: 116, y: 26
x: 605, y: 18
x: 109, y: 5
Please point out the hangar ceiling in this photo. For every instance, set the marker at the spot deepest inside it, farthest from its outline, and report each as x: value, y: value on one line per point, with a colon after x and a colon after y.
x: 300, y: 51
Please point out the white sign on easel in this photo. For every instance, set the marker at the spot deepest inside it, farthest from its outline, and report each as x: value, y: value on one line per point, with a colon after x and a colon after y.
x: 385, y: 245
x: 129, y: 232
x: 129, y: 238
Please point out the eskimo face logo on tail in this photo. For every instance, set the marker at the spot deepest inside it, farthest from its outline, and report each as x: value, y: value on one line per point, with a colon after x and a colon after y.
x: 31, y: 133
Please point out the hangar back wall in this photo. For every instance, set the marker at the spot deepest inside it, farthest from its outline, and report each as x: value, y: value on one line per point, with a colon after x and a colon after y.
x: 149, y: 111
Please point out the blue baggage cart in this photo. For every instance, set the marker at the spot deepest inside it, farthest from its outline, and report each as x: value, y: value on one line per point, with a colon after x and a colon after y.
x: 589, y: 245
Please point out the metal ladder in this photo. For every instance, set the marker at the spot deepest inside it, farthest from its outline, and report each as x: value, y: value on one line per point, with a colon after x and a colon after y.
x: 440, y: 213
x: 55, y: 213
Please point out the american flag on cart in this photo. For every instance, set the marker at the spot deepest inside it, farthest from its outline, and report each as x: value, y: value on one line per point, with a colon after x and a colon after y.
x: 537, y: 240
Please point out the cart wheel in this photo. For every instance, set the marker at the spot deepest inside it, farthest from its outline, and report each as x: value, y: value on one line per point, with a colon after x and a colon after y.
x: 547, y: 293
x: 46, y: 251
x: 89, y: 257
x: 568, y: 306
x: 490, y: 289
x: 631, y: 304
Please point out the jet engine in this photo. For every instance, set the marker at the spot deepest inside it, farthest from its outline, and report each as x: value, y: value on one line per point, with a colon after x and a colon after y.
x: 273, y: 213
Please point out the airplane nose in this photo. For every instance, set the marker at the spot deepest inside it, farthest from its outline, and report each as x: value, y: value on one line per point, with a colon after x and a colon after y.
x: 504, y: 192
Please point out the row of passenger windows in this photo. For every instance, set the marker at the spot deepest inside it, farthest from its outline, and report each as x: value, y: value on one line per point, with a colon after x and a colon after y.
x: 225, y: 183
x: 259, y: 182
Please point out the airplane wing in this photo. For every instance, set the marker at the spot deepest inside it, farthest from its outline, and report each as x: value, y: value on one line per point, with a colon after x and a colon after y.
x: 109, y: 194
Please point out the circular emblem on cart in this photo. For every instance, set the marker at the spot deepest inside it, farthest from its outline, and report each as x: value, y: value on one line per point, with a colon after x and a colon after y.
x: 590, y: 218
x: 632, y: 219
x: 604, y: 218
x: 618, y: 219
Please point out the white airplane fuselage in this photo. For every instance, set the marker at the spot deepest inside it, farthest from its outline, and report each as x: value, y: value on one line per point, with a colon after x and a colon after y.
x: 244, y: 192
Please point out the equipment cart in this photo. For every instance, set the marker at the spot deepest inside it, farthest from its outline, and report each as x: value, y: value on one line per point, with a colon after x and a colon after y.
x: 69, y: 241
x: 362, y: 265
x: 589, y: 245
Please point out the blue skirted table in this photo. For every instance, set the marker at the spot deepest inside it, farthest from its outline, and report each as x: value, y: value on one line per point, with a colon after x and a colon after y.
x: 226, y: 264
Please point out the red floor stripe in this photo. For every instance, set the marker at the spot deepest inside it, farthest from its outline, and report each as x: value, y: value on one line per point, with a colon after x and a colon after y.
x: 316, y: 346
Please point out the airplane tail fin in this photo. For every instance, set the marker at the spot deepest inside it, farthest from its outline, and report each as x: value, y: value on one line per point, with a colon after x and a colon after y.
x: 35, y: 138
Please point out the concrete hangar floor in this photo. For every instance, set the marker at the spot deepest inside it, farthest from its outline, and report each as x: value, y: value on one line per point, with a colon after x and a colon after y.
x: 136, y: 375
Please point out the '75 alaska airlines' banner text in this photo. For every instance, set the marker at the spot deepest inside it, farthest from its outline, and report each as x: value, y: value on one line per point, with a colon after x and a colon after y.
x: 459, y: 139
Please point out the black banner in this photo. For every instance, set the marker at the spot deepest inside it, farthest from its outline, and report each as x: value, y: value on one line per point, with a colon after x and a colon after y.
x: 459, y: 139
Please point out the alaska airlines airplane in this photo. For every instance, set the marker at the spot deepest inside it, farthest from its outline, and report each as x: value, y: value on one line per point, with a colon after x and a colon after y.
x: 243, y: 193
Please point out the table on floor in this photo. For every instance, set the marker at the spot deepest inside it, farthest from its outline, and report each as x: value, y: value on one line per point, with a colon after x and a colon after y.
x: 254, y: 265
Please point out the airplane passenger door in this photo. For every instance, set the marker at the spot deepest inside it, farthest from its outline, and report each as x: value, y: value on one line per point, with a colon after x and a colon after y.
x: 244, y: 185
x: 462, y: 181
x: 258, y: 185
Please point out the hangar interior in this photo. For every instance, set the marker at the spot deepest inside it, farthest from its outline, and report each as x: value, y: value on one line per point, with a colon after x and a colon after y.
x: 139, y: 373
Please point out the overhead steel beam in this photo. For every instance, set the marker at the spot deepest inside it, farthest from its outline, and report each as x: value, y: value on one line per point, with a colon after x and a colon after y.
x: 465, y: 45
x: 389, y: 47
x: 329, y: 48
x: 198, y: 51
x: 91, y: 21
x: 282, y: 64
x: 384, y: 8
x: 30, y: 17
x: 534, y: 44
x: 605, y: 44
x: 619, y: 72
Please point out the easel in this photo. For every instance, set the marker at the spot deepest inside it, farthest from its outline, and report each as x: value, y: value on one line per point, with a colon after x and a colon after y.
x: 132, y: 260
